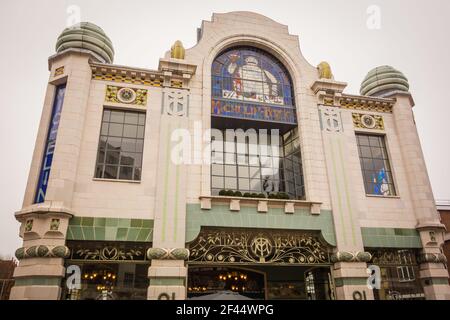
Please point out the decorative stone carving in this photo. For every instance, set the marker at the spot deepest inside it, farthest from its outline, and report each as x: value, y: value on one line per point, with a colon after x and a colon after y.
x: 368, y: 121
x: 432, y: 258
x: 54, y: 224
x: 126, y: 95
x: 324, y: 70
x: 223, y: 245
x: 59, y: 71
x: 28, y: 225
x: 175, y: 103
x: 168, y: 254
x: 346, y: 256
x: 42, y: 251
x: 331, y: 119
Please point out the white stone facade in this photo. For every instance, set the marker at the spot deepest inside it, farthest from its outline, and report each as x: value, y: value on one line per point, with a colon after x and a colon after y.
x: 331, y: 164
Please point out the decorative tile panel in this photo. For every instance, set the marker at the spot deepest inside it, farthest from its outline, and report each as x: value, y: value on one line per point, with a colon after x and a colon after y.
x: 126, y: 95
x: 110, y: 229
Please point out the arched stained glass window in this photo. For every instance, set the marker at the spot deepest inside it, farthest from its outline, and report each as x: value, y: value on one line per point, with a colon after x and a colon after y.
x: 252, y: 97
x: 249, y: 83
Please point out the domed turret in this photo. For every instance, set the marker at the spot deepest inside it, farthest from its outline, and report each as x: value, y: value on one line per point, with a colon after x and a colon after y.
x: 382, y: 81
x: 87, y: 36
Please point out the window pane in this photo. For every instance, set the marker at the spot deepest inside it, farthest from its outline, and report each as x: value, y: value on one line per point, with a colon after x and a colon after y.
x: 129, y: 145
x: 217, y: 169
x: 243, y: 171
x: 129, y: 131
x: 126, y: 173
x: 105, y: 127
x: 217, y: 182
x: 112, y: 157
x: 110, y: 172
x: 231, y: 183
x: 142, y: 119
x: 244, y: 184
x: 140, y: 132
x: 131, y: 118
x: 230, y: 170
x: 115, y: 129
x: 99, y: 171
x: 117, y: 116
x: 127, y: 159
x: 114, y: 143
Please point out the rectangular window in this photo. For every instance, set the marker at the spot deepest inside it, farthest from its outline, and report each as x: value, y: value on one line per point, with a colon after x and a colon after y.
x: 121, y: 145
x: 375, y: 165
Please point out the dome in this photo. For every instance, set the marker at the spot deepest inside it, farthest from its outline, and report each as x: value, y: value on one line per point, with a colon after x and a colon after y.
x: 87, y: 36
x: 382, y: 81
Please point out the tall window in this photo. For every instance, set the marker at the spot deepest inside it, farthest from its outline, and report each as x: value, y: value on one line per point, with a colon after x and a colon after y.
x: 252, y: 91
x: 375, y: 165
x: 121, y: 145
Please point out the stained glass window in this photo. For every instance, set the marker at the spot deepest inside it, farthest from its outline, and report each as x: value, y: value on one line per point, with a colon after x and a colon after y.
x: 249, y: 83
x: 375, y: 165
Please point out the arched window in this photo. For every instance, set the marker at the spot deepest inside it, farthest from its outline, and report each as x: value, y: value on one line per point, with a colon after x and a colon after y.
x: 253, y: 108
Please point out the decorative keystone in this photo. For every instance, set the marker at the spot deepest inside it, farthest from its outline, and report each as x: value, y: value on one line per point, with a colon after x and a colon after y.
x: 168, y: 254
x: 345, y: 256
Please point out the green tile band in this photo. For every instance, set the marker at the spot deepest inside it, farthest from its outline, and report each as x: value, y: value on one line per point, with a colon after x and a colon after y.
x: 248, y: 217
x: 110, y: 229
x: 391, y: 238
x: 37, y: 281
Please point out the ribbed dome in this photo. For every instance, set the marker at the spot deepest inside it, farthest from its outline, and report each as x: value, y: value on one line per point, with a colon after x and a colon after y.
x: 382, y: 81
x: 87, y: 36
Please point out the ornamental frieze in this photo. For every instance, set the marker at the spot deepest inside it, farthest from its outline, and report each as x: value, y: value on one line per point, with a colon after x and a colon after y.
x: 368, y: 121
x: 221, y: 245
x: 126, y: 95
x: 103, y: 251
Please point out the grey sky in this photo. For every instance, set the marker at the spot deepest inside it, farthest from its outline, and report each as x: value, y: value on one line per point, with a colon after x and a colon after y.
x: 413, y: 38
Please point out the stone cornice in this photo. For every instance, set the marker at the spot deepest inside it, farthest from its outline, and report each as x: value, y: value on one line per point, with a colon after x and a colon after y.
x: 173, y: 73
x: 35, y: 210
x: 354, y: 102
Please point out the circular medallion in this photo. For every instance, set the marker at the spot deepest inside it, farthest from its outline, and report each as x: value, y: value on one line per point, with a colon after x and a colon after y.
x: 126, y: 95
x: 261, y: 247
x: 109, y: 253
x: 368, y: 121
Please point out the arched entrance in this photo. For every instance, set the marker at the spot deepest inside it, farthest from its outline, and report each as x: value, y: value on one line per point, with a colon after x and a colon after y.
x: 260, y: 264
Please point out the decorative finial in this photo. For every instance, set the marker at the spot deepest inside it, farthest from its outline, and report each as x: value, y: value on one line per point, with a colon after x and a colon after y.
x: 324, y: 70
x: 177, y: 51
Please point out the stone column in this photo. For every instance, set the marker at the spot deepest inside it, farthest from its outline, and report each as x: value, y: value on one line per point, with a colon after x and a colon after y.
x: 433, y: 271
x: 44, y: 224
x: 41, y: 267
x: 168, y: 272
x: 349, y: 269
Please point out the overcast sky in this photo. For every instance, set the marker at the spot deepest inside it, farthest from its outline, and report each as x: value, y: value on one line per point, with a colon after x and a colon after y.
x: 412, y: 36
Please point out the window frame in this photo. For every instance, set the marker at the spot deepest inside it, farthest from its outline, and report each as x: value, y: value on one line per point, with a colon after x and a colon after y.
x: 100, y: 135
x: 393, y: 185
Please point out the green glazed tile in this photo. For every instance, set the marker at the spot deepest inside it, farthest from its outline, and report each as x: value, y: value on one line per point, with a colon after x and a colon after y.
x: 121, y: 234
x: 100, y: 222
x: 87, y: 221
x: 136, y: 223
x: 112, y: 222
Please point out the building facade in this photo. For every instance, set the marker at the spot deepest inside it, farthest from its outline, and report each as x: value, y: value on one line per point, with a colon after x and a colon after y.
x: 237, y: 165
x: 444, y: 210
x: 6, y: 277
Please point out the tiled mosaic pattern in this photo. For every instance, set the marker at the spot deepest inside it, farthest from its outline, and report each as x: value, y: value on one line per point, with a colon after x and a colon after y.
x: 110, y: 229
x: 390, y: 238
x: 248, y: 217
